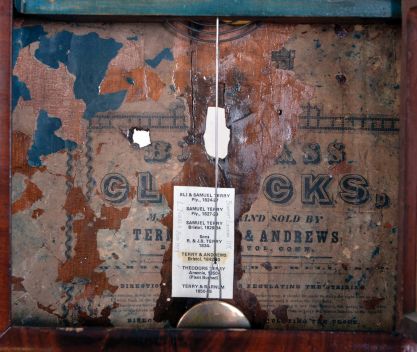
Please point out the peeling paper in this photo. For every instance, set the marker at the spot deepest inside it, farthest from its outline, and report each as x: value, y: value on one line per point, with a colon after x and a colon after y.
x: 314, y: 119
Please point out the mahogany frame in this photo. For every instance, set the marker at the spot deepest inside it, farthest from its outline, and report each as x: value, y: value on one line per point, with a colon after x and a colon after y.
x: 407, y: 291
x: 91, y: 339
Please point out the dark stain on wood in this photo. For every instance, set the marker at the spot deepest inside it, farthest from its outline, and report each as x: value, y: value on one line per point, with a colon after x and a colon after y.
x: 199, y: 170
x: 372, y: 303
x: 17, y: 284
x: 37, y: 213
x: 111, y: 340
x: 47, y: 309
x: 102, y: 320
x: 281, y: 313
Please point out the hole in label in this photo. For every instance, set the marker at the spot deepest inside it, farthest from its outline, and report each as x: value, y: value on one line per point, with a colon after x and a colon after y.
x: 139, y: 137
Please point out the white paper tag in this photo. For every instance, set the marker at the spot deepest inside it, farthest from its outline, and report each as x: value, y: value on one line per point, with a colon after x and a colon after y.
x: 193, y: 242
x: 223, y: 133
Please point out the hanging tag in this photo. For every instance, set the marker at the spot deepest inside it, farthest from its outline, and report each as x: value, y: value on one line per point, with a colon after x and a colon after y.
x: 223, y: 133
x: 193, y: 242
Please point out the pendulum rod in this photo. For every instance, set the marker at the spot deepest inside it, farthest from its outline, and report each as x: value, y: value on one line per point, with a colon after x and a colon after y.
x: 215, y: 263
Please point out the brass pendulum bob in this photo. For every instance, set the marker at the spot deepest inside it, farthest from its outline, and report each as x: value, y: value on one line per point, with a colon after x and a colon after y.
x: 214, y: 314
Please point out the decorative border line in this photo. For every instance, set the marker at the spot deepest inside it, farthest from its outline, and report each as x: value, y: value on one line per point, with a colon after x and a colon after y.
x: 174, y: 119
x: 68, y: 287
x: 147, y: 120
x: 380, y: 123
x: 69, y: 223
x: 89, y: 154
x: 313, y: 120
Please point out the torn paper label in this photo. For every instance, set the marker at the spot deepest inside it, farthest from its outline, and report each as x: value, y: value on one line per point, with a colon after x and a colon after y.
x: 194, y: 241
x: 210, y: 133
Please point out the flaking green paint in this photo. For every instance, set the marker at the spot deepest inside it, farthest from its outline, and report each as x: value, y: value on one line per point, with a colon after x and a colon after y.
x: 255, y: 8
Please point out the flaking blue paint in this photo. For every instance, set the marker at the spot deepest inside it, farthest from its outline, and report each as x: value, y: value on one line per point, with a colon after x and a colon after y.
x: 105, y: 102
x: 22, y: 37
x: 87, y: 58
x: 130, y: 80
x: 361, y: 281
x: 165, y: 54
x: 54, y: 50
x: 19, y: 90
x: 317, y: 43
x: 375, y: 252
x: 45, y: 142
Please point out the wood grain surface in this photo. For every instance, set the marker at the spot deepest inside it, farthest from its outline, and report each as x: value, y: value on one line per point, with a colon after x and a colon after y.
x: 198, y: 340
x: 408, y: 182
x: 5, y: 33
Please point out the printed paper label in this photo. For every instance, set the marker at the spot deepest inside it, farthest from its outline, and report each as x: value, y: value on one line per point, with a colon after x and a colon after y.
x: 195, y: 244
